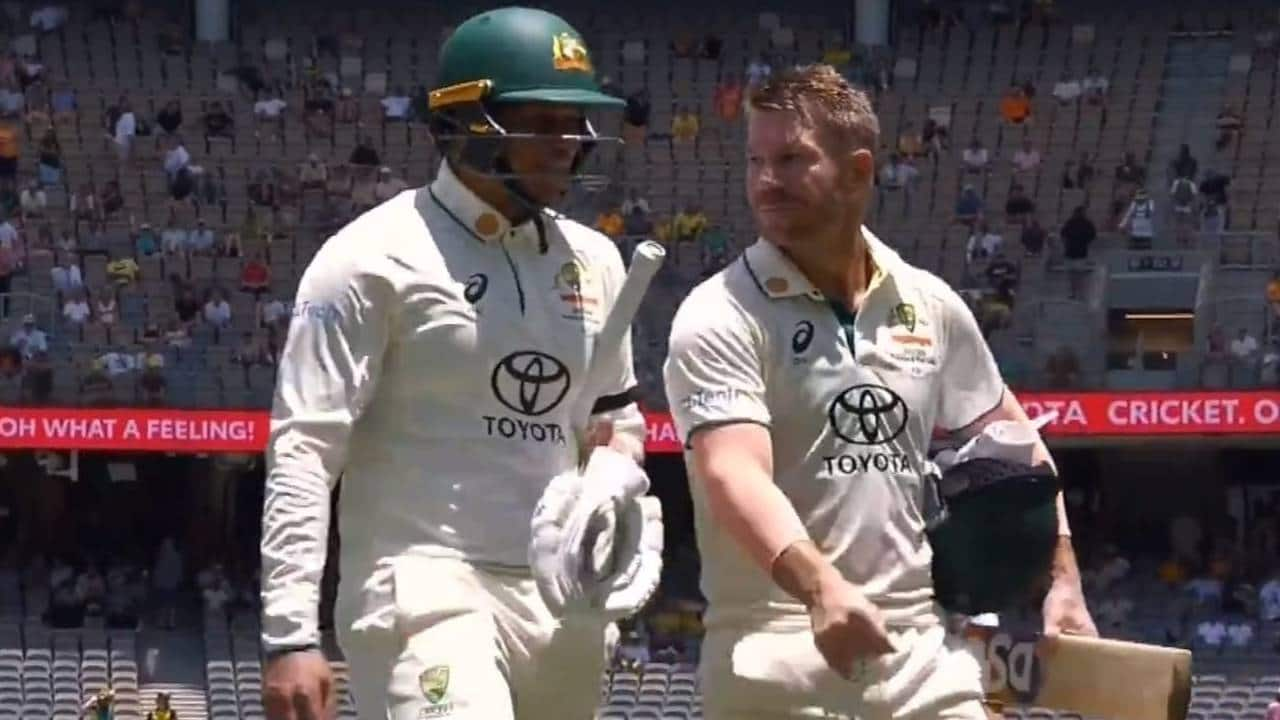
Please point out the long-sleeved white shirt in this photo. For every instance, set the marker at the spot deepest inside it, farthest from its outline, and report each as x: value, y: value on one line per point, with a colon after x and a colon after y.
x: 434, y: 360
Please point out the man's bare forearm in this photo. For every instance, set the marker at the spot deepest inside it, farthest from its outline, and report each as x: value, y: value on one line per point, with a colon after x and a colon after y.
x: 803, y: 572
x: 1064, y: 566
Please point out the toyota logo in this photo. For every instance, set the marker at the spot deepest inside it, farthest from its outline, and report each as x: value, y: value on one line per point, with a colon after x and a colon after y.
x: 530, y: 382
x: 868, y: 415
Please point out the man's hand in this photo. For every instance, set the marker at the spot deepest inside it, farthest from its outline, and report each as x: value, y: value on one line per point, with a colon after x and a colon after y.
x: 1065, y: 611
x: 847, y: 627
x: 299, y: 686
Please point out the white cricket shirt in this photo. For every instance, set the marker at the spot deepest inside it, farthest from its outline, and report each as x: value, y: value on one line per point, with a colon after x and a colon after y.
x: 850, y: 413
x: 433, y: 361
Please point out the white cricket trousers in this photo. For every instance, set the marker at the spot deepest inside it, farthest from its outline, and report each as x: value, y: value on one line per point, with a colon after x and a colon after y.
x: 472, y: 644
x: 773, y: 671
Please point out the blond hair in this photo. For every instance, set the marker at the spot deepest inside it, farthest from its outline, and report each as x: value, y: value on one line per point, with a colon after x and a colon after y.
x: 824, y: 99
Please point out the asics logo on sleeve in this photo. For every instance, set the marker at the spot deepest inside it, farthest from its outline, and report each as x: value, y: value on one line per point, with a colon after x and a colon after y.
x: 475, y: 288
x: 803, y: 337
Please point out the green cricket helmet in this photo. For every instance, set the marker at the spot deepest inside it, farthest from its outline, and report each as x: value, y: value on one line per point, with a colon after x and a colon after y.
x: 510, y: 55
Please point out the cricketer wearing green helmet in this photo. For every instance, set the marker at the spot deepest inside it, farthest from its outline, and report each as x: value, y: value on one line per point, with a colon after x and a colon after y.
x: 444, y: 346
x: 510, y: 100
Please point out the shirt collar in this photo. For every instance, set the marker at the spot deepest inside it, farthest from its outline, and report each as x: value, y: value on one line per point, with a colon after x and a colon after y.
x: 479, y: 217
x: 778, y: 277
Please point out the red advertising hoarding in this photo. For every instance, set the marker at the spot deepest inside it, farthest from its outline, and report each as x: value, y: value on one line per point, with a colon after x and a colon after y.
x: 1094, y: 414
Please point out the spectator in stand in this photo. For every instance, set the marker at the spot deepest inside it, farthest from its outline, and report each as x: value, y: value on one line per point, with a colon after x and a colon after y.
x: 1244, y: 358
x: 320, y: 111
x: 635, y: 116
x: 162, y: 710
x: 272, y: 312
x: 255, y: 275
x: 1269, y: 368
x: 262, y: 191
x: 123, y: 130
x: 106, y: 309
x: 936, y: 136
x: 212, y: 191
x: 976, y: 158
x: 635, y: 201
x: 637, y: 224
x: 176, y: 335
x: 396, y: 106
x: 169, y: 119
x: 688, y: 225
x: 176, y: 159
x: 270, y: 107
x: 1095, y: 86
x: 347, y: 109
x: 252, y: 351
x: 1240, y: 633
x: 76, y: 309
x: 123, y: 271
x: 101, y: 705
x: 33, y: 201
x: 983, y: 244
x: 49, y: 167
x: 1269, y: 597
x: 217, y: 311
x: 684, y: 126
x: 112, y: 199
x: 201, y: 241
x: 1184, y: 165
x: 1212, y: 632
x: 910, y: 142
x: 1129, y: 177
x: 66, y: 275
x: 1015, y: 106
x: 610, y: 223
x: 217, y: 124
x: 1019, y: 205
x: 1229, y: 125
x: 1033, y: 238
x: 313, y: 173
x: 1182, y: 195
x: 715, y: 250
x: 1273, y: 708
x: 969, y: 206
x: 1002, y: 274
x: 1067, y: 90
x: 29, y: 339
x: 1139, y: 220
x: 387, y: 185
x: 1077, y: 234
x: 757, y: 70
x: 173, y: 238
x: 728, y: 98
x: 1026, y: 159
x: 896, y: 175
x: 1062, y: 369
x: 364, y: 154
x: 10, y: 152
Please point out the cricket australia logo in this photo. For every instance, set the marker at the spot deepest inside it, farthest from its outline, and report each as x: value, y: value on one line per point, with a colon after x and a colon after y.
x: 434, y: 683
x: 903, y: 314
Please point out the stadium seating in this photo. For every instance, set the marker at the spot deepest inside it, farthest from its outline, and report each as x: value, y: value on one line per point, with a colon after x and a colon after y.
x: 963, y: 69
